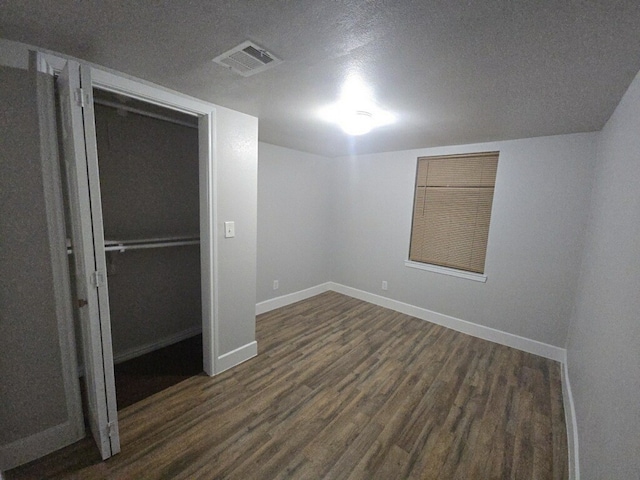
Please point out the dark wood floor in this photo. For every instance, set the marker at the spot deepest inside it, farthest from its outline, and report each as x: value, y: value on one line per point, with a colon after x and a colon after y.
x: 344, y: 389
x: 141, y: 377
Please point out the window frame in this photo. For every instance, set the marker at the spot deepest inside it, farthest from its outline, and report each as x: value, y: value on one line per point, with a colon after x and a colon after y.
x: 440, y: 269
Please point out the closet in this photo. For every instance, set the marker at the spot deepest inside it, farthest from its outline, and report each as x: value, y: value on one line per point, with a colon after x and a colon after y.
x: 149, y: 188
x: 55, y: 186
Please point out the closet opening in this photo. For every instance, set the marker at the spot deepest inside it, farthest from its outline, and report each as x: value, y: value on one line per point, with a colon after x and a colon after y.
x: 138, y: 174
x: 148, y: 166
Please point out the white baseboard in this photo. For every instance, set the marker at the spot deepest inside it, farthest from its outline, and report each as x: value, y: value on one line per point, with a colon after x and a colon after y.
x: 38, y: 445
x: 487, y: 333
x: 236, y: 357
x: 294, y: 297
x: 571, y: 423
x: 160, y: 343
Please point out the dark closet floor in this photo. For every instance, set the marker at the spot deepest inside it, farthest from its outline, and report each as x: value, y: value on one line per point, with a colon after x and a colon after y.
x: 143, y: 376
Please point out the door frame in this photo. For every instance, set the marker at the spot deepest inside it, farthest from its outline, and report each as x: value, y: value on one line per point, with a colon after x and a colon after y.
x: 206, y: 114
x: 207, y: 175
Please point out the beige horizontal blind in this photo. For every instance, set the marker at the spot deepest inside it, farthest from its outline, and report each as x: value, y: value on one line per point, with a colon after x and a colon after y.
x: 452, y: 210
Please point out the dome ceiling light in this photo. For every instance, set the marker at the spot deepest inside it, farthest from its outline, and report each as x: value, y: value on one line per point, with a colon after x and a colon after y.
x: 356, y: 112
x: 357, y: 122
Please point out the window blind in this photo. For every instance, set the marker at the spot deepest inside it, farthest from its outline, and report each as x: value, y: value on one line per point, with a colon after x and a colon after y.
x: 452, y: 210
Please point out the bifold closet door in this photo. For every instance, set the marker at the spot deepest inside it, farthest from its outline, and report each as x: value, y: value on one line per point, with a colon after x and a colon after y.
x: 81, y: 163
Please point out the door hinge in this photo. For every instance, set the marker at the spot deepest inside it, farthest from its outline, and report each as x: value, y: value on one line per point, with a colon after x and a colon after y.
x: 111, y: 429
x: 97, y: 278
x: 82, y: 98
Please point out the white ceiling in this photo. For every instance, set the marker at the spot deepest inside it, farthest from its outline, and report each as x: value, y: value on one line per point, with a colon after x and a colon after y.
x: 452, y: 71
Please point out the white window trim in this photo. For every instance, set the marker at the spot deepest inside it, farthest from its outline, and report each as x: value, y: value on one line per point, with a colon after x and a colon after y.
x: 476, y: 277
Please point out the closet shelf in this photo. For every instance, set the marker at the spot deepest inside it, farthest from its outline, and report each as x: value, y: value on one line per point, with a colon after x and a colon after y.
x: 140, y: 243
x: 159, y: 242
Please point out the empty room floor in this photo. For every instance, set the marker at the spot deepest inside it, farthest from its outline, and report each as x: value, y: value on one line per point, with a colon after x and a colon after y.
x: 141, y: 377
x: 344, y: 389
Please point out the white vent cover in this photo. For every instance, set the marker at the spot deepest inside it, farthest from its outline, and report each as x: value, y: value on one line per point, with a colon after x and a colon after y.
x: 247, y: 59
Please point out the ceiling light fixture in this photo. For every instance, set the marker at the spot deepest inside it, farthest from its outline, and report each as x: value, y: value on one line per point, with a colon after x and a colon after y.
x: 357, y: 122
x: 356, y: 112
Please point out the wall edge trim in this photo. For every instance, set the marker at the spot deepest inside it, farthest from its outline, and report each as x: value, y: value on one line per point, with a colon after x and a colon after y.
x: 236, y: 357
x: 37, y: 445
x: 288, y: 299
x: 487, y: 333
x: 480, y: 331
x: 571, y: 423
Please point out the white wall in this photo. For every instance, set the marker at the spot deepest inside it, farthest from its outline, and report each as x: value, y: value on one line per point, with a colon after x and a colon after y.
x: 236, y: 151
x: 294, y: 220
x: 603, y: 348
x: 535, y: 238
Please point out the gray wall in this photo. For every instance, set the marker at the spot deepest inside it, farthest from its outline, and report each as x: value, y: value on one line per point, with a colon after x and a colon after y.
x: 294, y: 220
x: 603, y: 349
x: 39, y: 394
x: 535, y: 238
x: 154, y: 297
x: 30, y: 361
x: 148, y: 176
x: 236, y: 151
x: 149, y: 188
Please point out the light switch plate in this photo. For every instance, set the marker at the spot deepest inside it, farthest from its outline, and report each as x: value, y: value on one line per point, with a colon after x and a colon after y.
x: 229, y: 229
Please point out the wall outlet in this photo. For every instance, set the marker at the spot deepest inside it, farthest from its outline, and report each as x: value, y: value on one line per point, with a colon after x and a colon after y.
x: 384, y: 285
x: 276, y: 284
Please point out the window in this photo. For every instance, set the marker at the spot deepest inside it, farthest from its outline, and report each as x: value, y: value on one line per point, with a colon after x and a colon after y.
x: 452, y: 210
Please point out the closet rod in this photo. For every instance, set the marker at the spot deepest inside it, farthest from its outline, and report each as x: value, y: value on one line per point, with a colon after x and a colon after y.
x: 144, y: 113
x: 122, y: 247
x: 133, y: 241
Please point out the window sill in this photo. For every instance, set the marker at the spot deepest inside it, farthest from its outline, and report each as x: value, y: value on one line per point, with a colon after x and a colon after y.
x: 476, y: 277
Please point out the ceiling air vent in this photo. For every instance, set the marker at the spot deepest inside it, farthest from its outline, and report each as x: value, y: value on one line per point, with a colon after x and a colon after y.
x: 247, y: 59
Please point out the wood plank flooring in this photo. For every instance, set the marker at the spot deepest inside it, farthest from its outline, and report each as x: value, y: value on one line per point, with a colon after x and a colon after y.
x: 344, y: 389
x: 141, y: 377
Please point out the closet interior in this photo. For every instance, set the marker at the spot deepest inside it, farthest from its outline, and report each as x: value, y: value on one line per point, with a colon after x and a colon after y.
x: 149, y: 185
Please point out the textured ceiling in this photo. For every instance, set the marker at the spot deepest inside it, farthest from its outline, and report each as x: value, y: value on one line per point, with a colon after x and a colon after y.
x: 452, y: 71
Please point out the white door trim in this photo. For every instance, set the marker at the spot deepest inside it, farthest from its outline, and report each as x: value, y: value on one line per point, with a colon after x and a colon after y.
x: 141, y: 90
x: 208, y: 206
